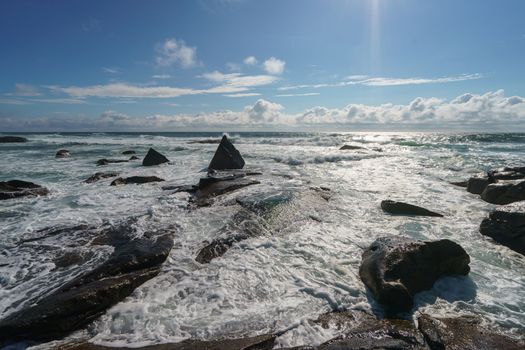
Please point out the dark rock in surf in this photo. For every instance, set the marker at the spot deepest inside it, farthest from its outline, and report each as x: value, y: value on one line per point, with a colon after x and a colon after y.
x: 460, y: 183
x: 17, y: 188
x: 504, y: 192
x: 476, y: 185
x: 85, y: 298
x: 110, y: 161
x: 135, y: 180
x: 99, y: 176
x: 506, y: 225
x: 465, y: 333
x: 509, y: 174
x: 129, y: 152
x: 396, y: 268
x: 12, y: 139
x: 350, y: 148
x: 226, y: 156
x: 134, y: 158
x: 154, y: 158
x: 62, y: 153
x: 400, y: 208
x: 212, y: 186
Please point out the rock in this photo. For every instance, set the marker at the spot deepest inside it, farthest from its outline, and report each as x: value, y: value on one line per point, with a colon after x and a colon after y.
x: 109, y: 161
x: 400, y: 208
x: 99, y: 176
x: 350, y: 147
x: 129, y: 152
x: 226, y: 157
x: 213, y: 186
x: 460, y: 183
x: 63, y: 153
x: 506, y: 225
x: 504, y: 192
x: 86, y: 297
x: 154, y: 158
x: 17, y: 188
x: 476, y: 185
x: 506, y: 175
x: 12, y: 139
x: 261, y: 342
x: 396, y: 268
x: 135, y: 180
x: 463, y: 333
x: 134, y: 158
x: 518, y: 169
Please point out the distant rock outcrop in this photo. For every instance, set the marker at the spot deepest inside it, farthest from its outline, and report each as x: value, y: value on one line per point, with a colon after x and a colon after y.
x: 135, y: 180
x: 62, y: 153
x: 154, y: 158
x: 109, y: 161
x: 226, y: 157
x: 396, y: 268
x: 99, y: 176
x: 128, y: 152
x: 12, y: 139
x: 400, y: 208
x: 350, y: 148
x: 17, y: 188
x: 506, y: 225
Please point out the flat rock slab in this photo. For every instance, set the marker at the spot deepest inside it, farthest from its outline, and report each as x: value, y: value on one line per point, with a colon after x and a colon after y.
x: 154, y: 158
x: 506, y: 225
x: 99, y: 176
x: 396, y: 268
x: 226, y: 156
x: 350, y: 148
x: 400, y: 208
x: 111, y: 161
x: 18, y: 188
x: 210, y: 187
x: 504, y: 192
x: 135, y: 180
x: 12, y: 139
x: 129, y: 152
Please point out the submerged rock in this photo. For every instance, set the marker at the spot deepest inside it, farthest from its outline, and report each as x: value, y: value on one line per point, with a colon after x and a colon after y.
x: 350, y: 147
x: 400, y: 208
x: 12, y: 139
x: 18, y: 188
x: 463, y: 333
x: 86, y: 297
x: 226, y: 156
x: 504, y: 193
x: 154, y: 158
x: 62, y: 153
x: 135, y: 180
x: 129, y: 152
x: 396, y: 268
x: 506, y: 225
x: 134, y: 158
x: 109, y: 161
x: 99, y: 176
x: 212, y: 186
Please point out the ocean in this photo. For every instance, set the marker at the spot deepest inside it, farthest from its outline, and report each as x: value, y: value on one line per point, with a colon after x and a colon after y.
x: 276, y: 281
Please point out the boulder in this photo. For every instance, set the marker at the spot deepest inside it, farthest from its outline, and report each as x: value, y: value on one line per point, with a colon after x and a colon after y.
x: 504, y: 192
x: 12, y: 139
x: 128, y: 152
x: 508, y: 174
x: 134, y: 158
x: 212, y: 186
x: 506, y: 225
x: 109, y: 161
x: 17, y: 188
x: 154, y: 158
x: 460, y: 183
x: 135, y: 180
x: 99, y: 176
x: 62, y: 153
x: 226, y: 156
x: 476, y: 185
x: 86, y: 297
x: 350, y: 148
x: 396, y: 268
x: 400, y: 208
x: 465, y: 333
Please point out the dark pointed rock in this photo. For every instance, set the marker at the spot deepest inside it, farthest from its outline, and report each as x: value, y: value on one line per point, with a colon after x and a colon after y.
x: 17, y: 188
x: 460, y: 183
x: 99, y: 176
x: 62, y: 153
x: 109, y: 161
x: 226, y: 156
x: 12, y: 139
x: 135, y: 180
x: 396, y: 268
x: 128, y: 152
x: 465, y: 333
x: 350, y: 148
x: 504, y: 192
x: 400, y: 208
x: 134, y: 158
x: 154, y: 158
x: 476, y: 185
x: 506, y: 225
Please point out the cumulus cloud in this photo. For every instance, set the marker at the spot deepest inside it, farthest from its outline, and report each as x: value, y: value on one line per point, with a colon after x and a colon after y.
x: 176, y: 51
x: 274, y: 66
x: 250, y: 61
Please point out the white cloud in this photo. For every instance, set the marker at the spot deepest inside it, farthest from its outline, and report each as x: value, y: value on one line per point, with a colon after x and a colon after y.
x: 250, y: 61
x: 25, y: 90
x: 111, y: 70
x: 176, y: 51
x: 10, y: 101
x: 68, y: 101
x: 274, y: 66
x: 161, y: 76
x: 233, y: 67
x: 297, y: 95
x: 248, y: 94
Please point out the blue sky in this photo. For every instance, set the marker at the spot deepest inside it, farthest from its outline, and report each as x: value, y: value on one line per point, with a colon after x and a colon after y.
x: 247, y: 64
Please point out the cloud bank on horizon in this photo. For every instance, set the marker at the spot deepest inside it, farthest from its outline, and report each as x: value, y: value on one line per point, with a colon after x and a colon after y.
x: 271, y: 74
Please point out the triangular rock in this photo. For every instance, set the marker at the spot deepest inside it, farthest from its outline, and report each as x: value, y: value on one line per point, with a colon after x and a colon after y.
x: 226, y: 157
x: 154, y: 158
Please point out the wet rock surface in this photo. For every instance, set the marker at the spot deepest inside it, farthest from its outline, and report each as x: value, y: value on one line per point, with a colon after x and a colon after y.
x: 18, y: 188
x: 400, y: 208
x: 476, y: 185
x: 129, y: 152
x: 62, y: 153
x: 219, y: 184
x: 12, y: 139
x: 396, y: 268
x: 154, y: 158
x: 350, y: 148
x: 504, y: 192
x: 105, y: 161
x: 135, y: 180
x: 99, y: 176
x: 226, y: 156
x: 506, y: 225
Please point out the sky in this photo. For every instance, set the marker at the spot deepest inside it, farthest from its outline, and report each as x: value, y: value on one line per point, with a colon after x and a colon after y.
x: 235, y: 65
